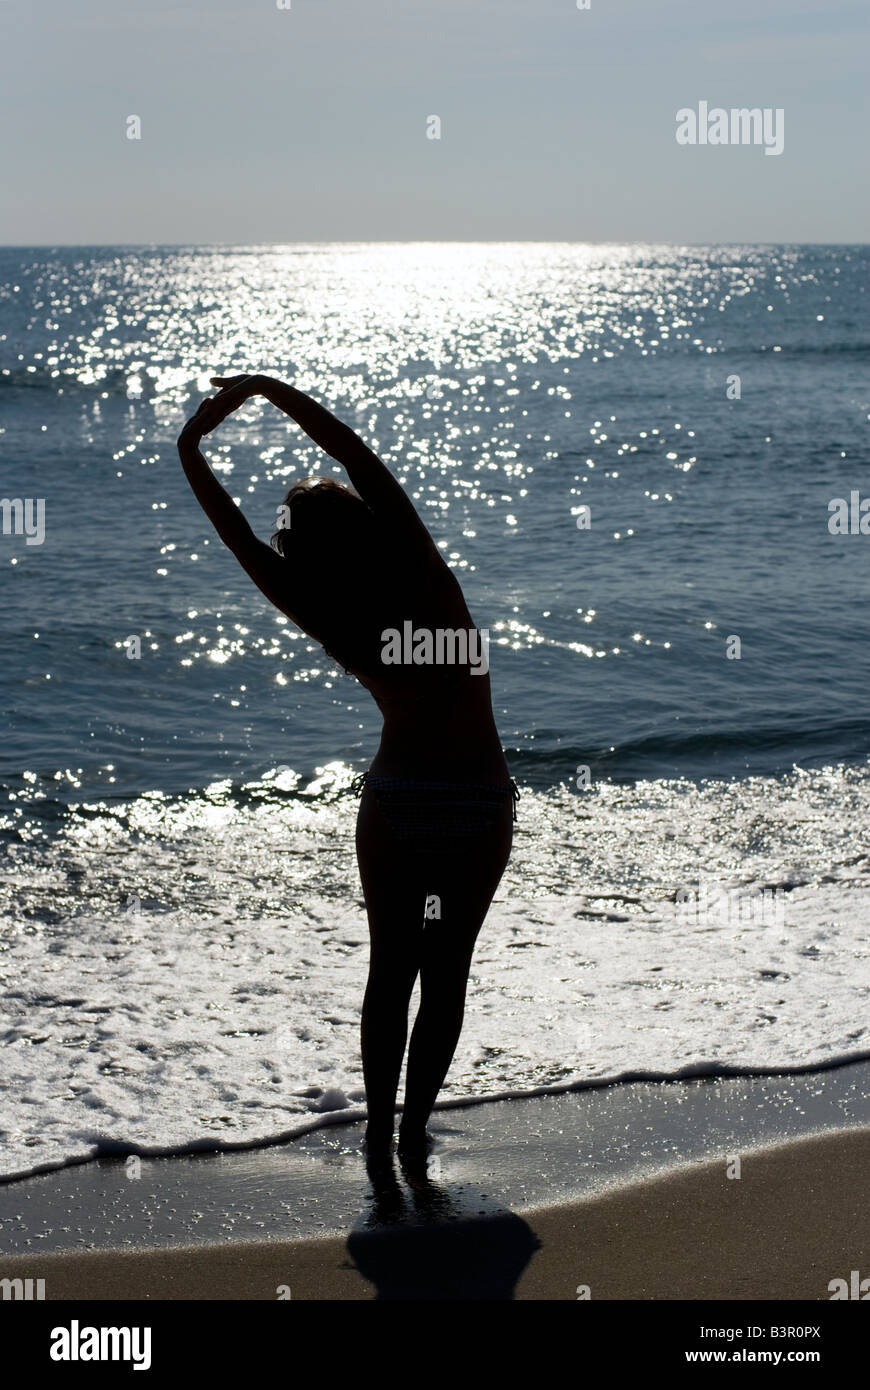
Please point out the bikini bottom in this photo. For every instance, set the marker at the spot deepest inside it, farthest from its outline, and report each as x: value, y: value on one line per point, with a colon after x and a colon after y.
x: 438, y: 816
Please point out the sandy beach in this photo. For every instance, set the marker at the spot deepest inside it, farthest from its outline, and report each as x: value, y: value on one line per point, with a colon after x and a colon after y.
x: 796, y: 1218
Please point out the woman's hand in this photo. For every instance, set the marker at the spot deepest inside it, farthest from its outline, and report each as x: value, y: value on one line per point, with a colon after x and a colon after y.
x: 254, y: 382
x: 234, y: 391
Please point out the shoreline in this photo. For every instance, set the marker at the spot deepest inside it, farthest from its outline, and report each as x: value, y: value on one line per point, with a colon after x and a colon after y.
x: 513, y: 1155
x: 796, y: 1220
x: 355, y: 1114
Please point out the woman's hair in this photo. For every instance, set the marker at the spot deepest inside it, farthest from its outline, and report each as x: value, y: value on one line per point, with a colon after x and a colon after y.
x: 318, y: 505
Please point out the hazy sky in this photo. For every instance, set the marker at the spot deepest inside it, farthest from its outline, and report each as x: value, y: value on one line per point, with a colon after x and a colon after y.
x: 262, y: 124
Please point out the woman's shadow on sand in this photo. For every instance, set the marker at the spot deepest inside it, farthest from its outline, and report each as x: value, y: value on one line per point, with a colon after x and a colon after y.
x: 425, y: 1242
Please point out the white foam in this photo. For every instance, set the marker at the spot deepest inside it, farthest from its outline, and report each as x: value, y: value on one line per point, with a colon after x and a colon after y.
x: 223, y: 1010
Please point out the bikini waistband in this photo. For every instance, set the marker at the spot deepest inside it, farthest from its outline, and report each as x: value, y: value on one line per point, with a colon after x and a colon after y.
x: 467, y: 790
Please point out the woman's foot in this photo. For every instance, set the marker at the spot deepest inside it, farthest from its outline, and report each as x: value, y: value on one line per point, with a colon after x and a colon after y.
x: 378, y: 1146
x: 415, y: 1147
x: 415, y: 1142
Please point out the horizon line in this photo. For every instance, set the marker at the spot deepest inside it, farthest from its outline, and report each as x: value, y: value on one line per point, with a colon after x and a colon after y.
x: 387, y: 241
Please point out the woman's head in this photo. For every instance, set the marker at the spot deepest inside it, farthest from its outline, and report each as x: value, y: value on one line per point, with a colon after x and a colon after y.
x: 337, y: 565
x: 322, y: 517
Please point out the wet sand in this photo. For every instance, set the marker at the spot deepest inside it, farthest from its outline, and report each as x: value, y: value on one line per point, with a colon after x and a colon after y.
x: 796, y: 1218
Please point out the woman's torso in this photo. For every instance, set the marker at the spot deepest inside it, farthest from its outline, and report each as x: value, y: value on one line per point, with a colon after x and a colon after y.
x: 438, y: 720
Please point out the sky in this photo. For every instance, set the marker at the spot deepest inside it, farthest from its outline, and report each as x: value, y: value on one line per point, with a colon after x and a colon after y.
x: 278, y: 121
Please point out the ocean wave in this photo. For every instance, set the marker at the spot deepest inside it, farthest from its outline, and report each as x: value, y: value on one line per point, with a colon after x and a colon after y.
x: 800, y: 742
x: 188, y: 971
x: 111, y: 381
x: 343, y: 1113
x: 794, y: 737
x: 847, y: 348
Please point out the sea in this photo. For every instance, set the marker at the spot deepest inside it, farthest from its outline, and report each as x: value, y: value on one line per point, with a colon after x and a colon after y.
x: 633, y: 457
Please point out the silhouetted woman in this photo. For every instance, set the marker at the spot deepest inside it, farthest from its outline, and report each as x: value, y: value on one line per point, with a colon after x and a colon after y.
x: 435, y: 824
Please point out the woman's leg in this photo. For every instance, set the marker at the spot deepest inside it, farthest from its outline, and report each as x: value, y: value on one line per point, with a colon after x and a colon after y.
x: 395, y: 901
x: 465, y: 887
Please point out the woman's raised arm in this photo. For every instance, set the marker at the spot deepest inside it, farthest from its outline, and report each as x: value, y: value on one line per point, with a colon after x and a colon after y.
x: 372, y: 479
x: 261, y: 562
